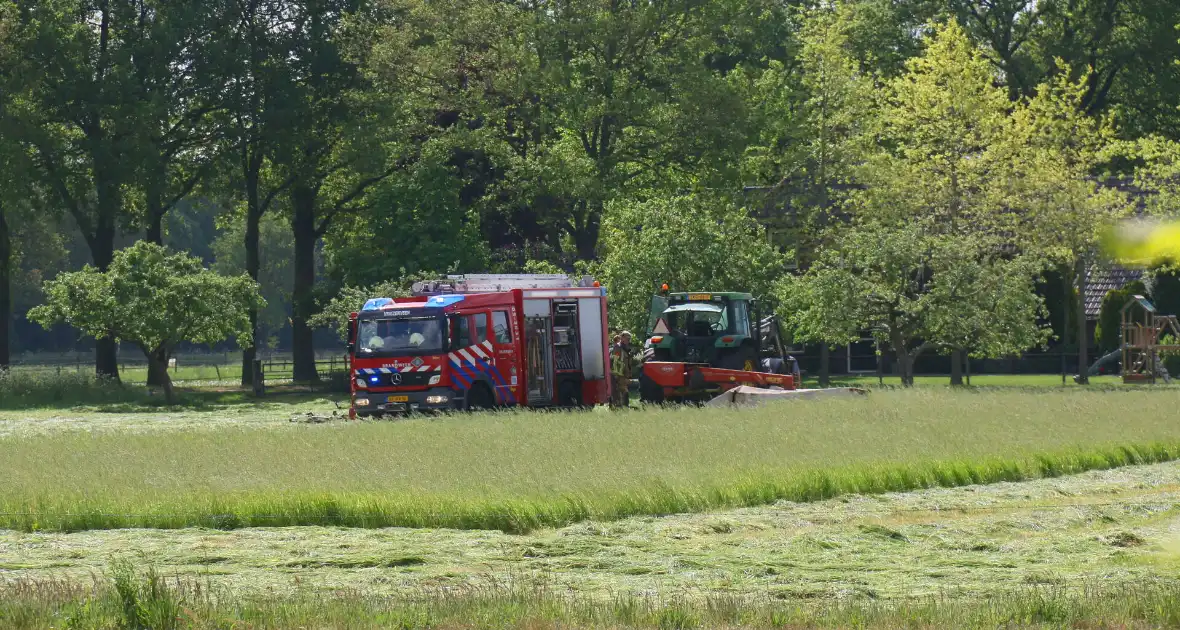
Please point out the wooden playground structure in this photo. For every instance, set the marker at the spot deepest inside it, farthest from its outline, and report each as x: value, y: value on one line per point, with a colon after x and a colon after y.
x: 1143, y: 328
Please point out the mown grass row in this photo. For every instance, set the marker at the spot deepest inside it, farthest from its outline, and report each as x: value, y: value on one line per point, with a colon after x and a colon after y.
x: 126, y: 599
x: 369, y: 510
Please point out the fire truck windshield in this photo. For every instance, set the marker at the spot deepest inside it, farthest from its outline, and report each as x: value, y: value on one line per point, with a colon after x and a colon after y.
x: 399, y: 337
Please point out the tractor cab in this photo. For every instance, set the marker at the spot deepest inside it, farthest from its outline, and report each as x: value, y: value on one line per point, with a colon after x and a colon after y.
x: 706, y: 328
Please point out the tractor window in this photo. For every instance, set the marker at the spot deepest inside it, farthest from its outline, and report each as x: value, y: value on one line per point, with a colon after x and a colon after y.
x: 698, y: 323
x: 500, y: 327
x: 741, y: 318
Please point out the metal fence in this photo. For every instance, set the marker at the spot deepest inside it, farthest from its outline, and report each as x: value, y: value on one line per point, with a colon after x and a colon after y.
x: 187, y: 367
x: 864, y: 361
x: 858, y: 359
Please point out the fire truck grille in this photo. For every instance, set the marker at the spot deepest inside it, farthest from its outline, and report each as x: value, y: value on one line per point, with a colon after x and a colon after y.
x: 398, y: 379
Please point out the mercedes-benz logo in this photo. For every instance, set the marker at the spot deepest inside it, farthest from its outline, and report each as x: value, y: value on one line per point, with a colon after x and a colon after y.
x: 395, y: 378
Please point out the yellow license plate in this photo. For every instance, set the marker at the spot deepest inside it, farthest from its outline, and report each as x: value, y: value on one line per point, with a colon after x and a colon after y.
x: 399, y: 399
x: 700, y: 297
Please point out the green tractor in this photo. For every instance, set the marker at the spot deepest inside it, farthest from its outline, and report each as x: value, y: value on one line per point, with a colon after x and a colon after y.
x: 716, y: 329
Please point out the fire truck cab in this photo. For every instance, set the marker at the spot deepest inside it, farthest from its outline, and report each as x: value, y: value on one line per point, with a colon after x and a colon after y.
x: 481, y: 341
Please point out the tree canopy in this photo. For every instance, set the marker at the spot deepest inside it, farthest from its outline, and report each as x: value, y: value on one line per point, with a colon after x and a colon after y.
x: 721, y: 144
x: 154, y: 299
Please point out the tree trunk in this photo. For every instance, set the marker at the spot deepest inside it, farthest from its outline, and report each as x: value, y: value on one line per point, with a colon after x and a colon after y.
x: 5, y: 289
x: 159, y: 366
x: 956, y: 367
x: 1080, y: 317
x: 253, y: 219
x: 825, y: 365
x: 154, y: 200
x: 303, y: 201
x: 102, y: 250
x: 586, y: 234
x: 905, y: 362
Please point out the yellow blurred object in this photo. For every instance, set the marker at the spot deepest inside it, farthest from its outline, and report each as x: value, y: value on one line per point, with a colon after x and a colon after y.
x: 1145, y: 243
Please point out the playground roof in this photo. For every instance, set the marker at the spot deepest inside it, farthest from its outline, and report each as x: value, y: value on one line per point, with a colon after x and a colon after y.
x: 1101, y: 280
x: 1141, y: 301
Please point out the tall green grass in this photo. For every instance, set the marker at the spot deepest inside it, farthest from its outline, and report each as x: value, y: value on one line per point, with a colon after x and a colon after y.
x: 521, y: 471
x: 128, y: 600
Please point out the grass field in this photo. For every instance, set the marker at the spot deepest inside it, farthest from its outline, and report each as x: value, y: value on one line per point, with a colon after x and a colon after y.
x: 1099, y: 549
x: 220, y: 512
x: 520, y: 471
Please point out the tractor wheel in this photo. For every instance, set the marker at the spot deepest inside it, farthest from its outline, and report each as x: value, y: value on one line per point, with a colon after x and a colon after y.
x: 479, y: 397
x: 649, y: 391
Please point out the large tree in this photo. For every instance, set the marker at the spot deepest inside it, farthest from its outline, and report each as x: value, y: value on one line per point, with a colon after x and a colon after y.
x: 1056, y: 152
x: 254, y: 65
x: 10, y: 151
x: 176, y: 52
x: 333, y: 146
x: 154, y: 299
x: 914, y: 291
x: 935, y: 161
x: 84, y: 118
x: 812, y: 123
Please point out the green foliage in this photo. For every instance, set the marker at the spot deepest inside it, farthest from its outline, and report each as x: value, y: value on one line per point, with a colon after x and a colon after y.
x: 1170, y: 358
x: 415, y: 221
x: 1163, y: 285
x: 275, y: 273
x: 935, y: 161
x: 915, y: 291
x: 154, y: 299
x: 811, y: 129
x: 1052, y: 152
x: 693, y: 243
x: 1108, y: 331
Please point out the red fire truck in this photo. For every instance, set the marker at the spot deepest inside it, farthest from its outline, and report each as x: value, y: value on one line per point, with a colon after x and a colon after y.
x: 481, y: 341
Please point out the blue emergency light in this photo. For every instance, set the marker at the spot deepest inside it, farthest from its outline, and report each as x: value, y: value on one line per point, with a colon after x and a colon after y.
x: 442, y: 301
x: 377, y: 303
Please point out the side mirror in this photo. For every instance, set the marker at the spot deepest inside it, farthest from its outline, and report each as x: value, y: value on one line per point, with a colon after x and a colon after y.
x: 452, y: 334
x: 352, y: 334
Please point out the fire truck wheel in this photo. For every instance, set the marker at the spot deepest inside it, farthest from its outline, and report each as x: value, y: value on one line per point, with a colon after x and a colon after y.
x: 479, y: 397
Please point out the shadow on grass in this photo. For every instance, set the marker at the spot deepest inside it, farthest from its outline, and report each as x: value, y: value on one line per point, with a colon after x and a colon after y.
x: 197, y: 399
x: 88, y: 393
x: 1006, y: 383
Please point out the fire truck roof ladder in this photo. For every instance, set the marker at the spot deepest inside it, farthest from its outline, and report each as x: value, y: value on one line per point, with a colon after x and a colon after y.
x: 491, y: 283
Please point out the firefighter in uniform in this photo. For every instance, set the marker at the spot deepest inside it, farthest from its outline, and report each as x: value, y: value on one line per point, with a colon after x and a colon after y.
x: 620, y: 367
